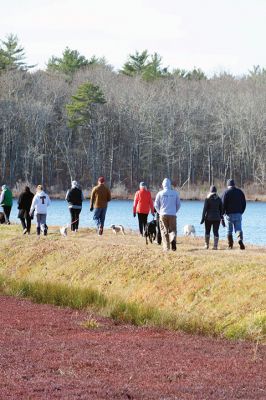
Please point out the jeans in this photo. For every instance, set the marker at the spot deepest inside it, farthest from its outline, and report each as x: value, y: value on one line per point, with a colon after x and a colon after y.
x: 41, y: 221
x: 234, y: 222
x: 99, y: 216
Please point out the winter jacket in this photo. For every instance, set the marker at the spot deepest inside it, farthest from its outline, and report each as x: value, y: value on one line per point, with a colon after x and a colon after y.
x: 25, y: 200
x: 213, y: 208
x: 75, y: 197
x: 234, y: 201
x: 143, y: 203
x: 40, y: 203
x: 167, y: 201
x: 6, y: 197
x: 100, y: 196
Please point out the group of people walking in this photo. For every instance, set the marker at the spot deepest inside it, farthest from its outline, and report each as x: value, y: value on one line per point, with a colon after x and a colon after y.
x: 231, y: 205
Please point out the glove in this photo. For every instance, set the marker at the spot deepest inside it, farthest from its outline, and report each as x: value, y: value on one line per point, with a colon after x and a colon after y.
x: 91, y: 209
x: 134, y: 214
x: 153, y: 214
x: 202, y: 221
x: 223, y: 223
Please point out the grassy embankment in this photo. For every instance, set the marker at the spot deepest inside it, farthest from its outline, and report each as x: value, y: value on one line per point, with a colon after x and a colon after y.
x: 212, y: 292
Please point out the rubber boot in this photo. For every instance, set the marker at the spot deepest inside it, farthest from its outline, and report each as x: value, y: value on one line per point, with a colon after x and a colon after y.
x: 215, y: 243
x: 207, y: 242
x: 240, y: 241
x: 38, y: 231
x: 230, y: 241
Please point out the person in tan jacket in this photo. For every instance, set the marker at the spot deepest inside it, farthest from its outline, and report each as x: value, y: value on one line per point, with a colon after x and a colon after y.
x: 100, y: 196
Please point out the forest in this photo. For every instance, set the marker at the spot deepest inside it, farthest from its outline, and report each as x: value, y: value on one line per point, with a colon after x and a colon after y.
x: 79, y: 119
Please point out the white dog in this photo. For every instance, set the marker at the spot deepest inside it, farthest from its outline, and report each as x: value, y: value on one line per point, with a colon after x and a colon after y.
x: 63, y: 231
x: 189, y: 230
x: 118, y: 228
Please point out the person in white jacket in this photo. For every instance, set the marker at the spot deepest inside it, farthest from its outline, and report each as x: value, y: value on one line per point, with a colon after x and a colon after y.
x: 39, y: 204
x: 167, y: 203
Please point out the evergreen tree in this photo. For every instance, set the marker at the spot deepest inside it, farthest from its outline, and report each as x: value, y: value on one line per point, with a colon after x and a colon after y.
x: 136, y: 63
x: 12, y: 54
x: 70, y: 62
x: 81, y: 108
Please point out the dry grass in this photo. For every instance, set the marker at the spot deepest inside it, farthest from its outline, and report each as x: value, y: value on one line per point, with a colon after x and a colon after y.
x: 214, y: 292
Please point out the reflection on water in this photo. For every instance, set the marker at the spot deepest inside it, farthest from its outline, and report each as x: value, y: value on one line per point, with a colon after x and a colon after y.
x: 120, y: 212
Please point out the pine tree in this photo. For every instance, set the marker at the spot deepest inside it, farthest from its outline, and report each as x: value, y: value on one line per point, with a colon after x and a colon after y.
x: 12, y: 55
x: 80, y: 110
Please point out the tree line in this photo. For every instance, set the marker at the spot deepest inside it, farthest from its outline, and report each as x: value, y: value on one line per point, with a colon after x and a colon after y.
x: 79, y: 119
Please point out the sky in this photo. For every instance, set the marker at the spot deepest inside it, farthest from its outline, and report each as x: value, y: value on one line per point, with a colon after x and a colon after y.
x: 214, y: 35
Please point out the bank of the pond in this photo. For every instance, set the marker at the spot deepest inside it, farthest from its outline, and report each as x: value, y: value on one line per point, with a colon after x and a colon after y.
x: 214, y: 292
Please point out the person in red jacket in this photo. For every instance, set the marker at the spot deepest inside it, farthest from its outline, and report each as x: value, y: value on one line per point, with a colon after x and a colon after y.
x: 143, y: 204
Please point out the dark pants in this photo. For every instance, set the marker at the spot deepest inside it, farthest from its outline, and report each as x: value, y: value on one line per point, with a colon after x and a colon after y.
x: 74, y: 212
x: 142, y: 222
x: 7, y: 211
x: 25, y: 220
x: 215, y: 227
x: 159, y: 236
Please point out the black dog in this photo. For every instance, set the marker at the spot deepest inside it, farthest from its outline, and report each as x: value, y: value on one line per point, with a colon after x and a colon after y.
x: 150, y: 231
x: 2, y: 218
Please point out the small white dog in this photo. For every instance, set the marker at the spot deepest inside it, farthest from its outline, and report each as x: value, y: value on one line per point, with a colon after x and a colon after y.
x: 189, y: 230
x: 63, y: 230
x: 118, y: 228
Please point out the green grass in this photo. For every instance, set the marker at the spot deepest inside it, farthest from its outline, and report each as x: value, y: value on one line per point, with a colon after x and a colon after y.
x: 221, y: 293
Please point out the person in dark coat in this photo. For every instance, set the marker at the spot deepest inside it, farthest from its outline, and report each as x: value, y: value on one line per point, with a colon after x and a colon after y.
x: 234, y: 205
x: 74, y: 197
x: 212, y: 215
x: 24, y: 204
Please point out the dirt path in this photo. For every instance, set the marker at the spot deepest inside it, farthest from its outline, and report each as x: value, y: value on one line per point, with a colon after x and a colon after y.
x: 46, y: 354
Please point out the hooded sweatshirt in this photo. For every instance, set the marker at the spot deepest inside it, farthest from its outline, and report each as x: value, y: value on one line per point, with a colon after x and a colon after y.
x: 6, y: 197
x: 40, y: 203
x: 167, y: 201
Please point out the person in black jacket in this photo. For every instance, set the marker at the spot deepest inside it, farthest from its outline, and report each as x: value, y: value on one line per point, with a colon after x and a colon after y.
x: 212, y: 215
x: 74, y: 197
x: 24, y: 204
x: 234, y: 205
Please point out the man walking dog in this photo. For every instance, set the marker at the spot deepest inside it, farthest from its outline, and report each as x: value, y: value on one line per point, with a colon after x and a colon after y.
x: 167, y: 203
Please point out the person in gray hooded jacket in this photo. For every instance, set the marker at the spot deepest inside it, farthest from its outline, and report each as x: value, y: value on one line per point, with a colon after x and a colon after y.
x: 167, y: 203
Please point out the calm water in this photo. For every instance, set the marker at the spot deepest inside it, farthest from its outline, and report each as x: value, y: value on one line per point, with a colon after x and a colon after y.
x: 120, y: 212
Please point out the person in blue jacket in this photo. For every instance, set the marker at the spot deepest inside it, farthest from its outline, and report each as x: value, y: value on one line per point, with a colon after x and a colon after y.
x: 234, y: 205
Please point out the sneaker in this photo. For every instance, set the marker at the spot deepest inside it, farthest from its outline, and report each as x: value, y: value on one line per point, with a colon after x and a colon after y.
x: 100, y: 231
x: 25, y: 231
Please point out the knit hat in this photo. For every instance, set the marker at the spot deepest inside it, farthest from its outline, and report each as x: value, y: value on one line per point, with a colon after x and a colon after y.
x: 101, y: 179
x: 230, y: 182
x: 74, y: 184
x: 142, y: 185
x: 213, y: 189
